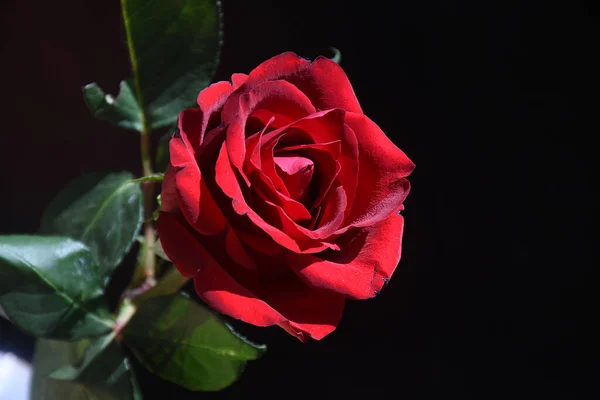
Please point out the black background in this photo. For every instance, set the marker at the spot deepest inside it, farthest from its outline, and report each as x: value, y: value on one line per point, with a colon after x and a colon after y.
x: 488, y: 98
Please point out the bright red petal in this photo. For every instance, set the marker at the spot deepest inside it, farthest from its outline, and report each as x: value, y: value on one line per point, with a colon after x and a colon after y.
x: 364, y: 264
x: 296, y: 172
x: 383, y: 169
x: 328, y: 86
x: 210, y: 100
x: 323, y: 81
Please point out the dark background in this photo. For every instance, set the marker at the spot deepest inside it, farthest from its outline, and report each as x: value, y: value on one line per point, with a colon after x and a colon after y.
x: 488, y: 98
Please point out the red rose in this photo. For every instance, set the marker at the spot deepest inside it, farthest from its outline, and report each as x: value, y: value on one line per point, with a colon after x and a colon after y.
x: 281, y: 199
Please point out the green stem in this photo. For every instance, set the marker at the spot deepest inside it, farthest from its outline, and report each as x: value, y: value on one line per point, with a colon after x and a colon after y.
x: 126, y: 311
x: 149, y: 260
x: 149, y: 263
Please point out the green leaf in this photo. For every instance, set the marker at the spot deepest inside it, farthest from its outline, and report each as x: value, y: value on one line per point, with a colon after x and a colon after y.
x: 82, y: 370
x: 102, y: 210
x: 50, y: 287
x: 174, y: 49
x: 185, y: 343
x: 124, y: 111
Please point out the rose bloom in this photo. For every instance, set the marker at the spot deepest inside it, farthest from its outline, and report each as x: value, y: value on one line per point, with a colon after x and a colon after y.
x: 282, y: 198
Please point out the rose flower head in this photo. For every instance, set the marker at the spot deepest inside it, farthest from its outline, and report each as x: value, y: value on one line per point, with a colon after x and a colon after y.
x: 282, y: 199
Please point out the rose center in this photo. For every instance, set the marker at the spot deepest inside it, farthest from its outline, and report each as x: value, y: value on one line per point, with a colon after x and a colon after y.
x: 296, y: 173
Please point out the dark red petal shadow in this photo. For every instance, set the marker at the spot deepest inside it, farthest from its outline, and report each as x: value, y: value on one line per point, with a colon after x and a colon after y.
x: 195, y: 200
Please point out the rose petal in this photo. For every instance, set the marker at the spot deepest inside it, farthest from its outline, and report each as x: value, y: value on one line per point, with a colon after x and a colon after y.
x: 325, y: 129
x: 331, y: 219
x: 267, y: 158
x: 210, y: 100
x: 277, y: 96
x: 348, y: 175
x: 329, y: 126
x: 168, y: 193
x: 212, y: 283
x: 191, y: 125
x: 178, y: 244
x: 262, y: 159
x: 366, y: 261
x: 257, y: 239
x: 320, y: 127
x: 264, y: 185
x: 238, y: 79
x: 300, y: 310
x: 325, y: 157
x: 226, y: 179
x: 327, y: 85
x: 195, y: 200
x: 214, y: 96
x: 383, y: 168
x: 236, y: 250
x: 323, y: 81
x: 296, y: 172
x: 309, y: 312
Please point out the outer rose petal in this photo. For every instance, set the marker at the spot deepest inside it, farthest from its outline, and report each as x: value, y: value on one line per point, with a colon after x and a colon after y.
x: 382, y: 170
x: 323, y: 81
x: 328, y: 86
x: 309, y: 312
x: 213, y: 284
x: 211, y: 100
x: 172, y: 232
x: 192, y: 123
x: 303, y: 312
x: 362, y: 266
x: 196, y: 203
x: 168, y: 194
x: 317, y: 313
